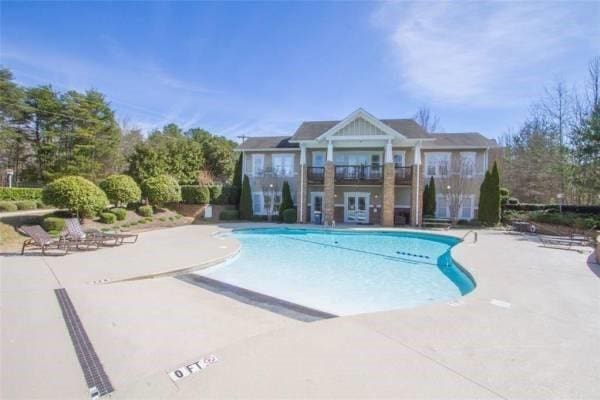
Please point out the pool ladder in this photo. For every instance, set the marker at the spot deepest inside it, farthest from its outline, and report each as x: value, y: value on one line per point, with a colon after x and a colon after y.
x: 474, y: 236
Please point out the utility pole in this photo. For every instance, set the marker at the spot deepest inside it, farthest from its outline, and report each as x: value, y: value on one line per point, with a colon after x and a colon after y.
x: 243, y: 137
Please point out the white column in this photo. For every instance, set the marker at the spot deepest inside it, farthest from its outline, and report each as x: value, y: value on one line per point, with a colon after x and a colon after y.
x: 417, y: 158
x: 302, y: 154
x: 330, y: 151
x: 389, y: 154
x: 302, y: 168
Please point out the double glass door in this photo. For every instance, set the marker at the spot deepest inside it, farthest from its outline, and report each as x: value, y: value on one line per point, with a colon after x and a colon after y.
x: 356, y: 208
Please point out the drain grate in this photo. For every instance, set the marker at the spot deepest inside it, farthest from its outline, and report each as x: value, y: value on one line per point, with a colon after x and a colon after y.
x: 93, y: 371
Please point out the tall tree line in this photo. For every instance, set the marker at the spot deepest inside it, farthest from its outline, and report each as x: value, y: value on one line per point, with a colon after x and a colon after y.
x: 557, y: 148
x: 45, y: 134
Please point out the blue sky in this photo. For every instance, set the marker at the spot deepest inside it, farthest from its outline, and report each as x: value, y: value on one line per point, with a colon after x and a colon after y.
x: 262, y: 68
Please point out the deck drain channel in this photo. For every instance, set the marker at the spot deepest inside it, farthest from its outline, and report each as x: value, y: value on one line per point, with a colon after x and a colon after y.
x: 91, y: 366
x: 269, y: 303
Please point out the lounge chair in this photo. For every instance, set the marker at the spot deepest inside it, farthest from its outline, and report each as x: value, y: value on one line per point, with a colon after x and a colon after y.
x: 119, y: 237
x: 556, y: 239
x: 74, y: 233
x: 39, y: 238
x: 74, y: 230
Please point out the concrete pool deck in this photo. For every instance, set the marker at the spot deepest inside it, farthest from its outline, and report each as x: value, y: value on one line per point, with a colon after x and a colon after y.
x: 531, y: 329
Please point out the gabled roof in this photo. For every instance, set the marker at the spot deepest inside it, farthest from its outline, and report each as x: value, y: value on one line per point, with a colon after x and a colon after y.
x: 268, y: 142
x: 467, y: 139
x: 310, y: 130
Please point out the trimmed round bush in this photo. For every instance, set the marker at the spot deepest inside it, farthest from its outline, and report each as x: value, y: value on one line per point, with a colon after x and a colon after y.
x: 121, y: 213
x: 229, y: 215
x: 215, y: 193
x: 194, y: 194
x: 290, y: 216
x: 55, y: 224
x: 145, y: 211
x: 8, y: 206
x: 26, y: 205
x: 121, y: 189
x: 161, y: 189
x: 76, y: 194
x: 108, y: 218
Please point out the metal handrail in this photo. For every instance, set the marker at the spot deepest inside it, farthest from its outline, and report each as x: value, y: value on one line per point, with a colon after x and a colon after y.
x: 474, y: 236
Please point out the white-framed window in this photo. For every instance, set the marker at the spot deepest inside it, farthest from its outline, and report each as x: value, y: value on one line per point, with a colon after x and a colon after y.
x: 267, y: 202
x: 318, y: 159
x: 467, y: 163
x: 399, y: 158
x: 466, y: 209
x: 437, y: 164
x: 283, y: 164
x: 441, y: 207
x: 258, y: 164
x: 257, y: 203
x: 262, y: 201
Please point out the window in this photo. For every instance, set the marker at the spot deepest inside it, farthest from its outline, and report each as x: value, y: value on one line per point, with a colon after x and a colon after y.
x: 441, y: 207
x: 466, y: 210
x: 257, y: 203
x: 467, y: 163
x: 436, y: 164
x: 258, y: 164
x: 399, y: 159
x: 375, y: 159
x: 267, y: 202
x: 283, y: 164
x: 318, y: 159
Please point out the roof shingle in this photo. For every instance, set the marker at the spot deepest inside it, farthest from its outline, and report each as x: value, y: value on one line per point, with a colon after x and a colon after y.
x: 268, y: 142
x: 469, y: 139
x: 310, y: 130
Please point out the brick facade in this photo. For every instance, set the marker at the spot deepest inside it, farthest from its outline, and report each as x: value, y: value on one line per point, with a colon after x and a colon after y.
x: 387, y: 213
x: 416, y: 198
x: 328, y: 193
x: 302, y: 194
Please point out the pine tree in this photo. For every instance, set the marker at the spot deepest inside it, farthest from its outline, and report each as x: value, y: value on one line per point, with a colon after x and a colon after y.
x: 237, y: 179
x: 426, y: 200
x: 483, y: 210
x: 432, y: 201
x: 286, y: 199
x: 494, y: 192
x: 246, y: 200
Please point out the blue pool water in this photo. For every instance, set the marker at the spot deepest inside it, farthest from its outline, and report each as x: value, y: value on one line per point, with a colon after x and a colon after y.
x: 345, y: 272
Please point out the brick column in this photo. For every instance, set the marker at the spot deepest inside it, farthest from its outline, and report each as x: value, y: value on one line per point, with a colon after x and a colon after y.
x: 328, y: 191
x: 416, y: 196
x: 302, y: 195
x: 387, y: 214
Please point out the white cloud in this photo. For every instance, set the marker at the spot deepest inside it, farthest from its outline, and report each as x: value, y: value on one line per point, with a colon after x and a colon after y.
x: 483, y: 53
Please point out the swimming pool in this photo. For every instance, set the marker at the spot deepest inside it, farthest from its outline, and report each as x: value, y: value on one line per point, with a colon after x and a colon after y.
x: 345, y: 272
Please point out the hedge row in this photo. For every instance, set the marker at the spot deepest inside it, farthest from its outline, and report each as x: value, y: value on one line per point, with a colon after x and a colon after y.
x: 221, y: 195
x: 553, y: 207
x: 7, y: 206
x: 15, y: 194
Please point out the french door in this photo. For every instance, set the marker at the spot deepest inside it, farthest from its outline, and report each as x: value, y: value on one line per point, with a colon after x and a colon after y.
x: 356, y: 207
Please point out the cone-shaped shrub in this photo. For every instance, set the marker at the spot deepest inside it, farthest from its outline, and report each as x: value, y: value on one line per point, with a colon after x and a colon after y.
x: 286, y: 199
x: 246, y: 200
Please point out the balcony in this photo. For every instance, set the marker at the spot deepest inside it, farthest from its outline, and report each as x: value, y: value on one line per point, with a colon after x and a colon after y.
x: 403, y: 175
x: 359, y: 174
x: 315, y: 175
